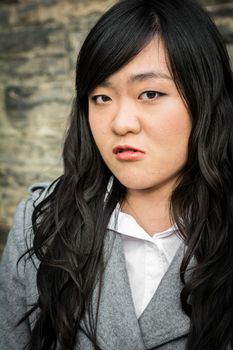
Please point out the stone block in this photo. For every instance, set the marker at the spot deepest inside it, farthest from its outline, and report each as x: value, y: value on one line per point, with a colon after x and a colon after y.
x: 226, y: 30
x: 30, y: 151
x: 25, y: 66
x: 9, y: 2
x: 12, y: 178
x: 62, y: 11
x: 213, y: 2
x: 38, y: 107
x: 4, y: 16
x: 24, y: 39
x: 76, y: 33
x: 222, y: 11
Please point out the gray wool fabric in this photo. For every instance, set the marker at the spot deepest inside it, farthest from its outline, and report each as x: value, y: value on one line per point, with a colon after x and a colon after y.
x: 163, y: 325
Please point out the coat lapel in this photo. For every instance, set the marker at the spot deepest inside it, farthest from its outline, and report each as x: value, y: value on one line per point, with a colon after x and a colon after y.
x: 163, y: 320
x: 118, y: 326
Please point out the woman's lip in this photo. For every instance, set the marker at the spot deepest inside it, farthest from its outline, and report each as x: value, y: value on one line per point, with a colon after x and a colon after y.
x: 128, y: 155
x: 126, y: 148
x: 127, y: 152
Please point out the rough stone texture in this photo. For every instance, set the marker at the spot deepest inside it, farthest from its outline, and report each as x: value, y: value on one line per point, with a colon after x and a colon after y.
x: 39, y: 42
x: 214, y: 2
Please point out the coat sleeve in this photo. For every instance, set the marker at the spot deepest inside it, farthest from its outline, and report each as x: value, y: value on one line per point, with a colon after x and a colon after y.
x: 13, y: 303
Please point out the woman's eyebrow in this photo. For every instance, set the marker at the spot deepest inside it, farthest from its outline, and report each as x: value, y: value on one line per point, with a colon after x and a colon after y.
x: 139, y: 77
x: 148, y: 75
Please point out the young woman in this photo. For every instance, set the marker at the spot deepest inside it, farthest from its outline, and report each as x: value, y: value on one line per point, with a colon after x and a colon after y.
x: 132, y: 247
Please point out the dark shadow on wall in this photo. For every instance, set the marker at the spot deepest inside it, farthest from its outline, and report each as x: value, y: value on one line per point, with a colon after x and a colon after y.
x: 3, y: 237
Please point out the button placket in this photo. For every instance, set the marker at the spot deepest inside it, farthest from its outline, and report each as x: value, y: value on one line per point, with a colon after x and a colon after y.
x: 154, y: 271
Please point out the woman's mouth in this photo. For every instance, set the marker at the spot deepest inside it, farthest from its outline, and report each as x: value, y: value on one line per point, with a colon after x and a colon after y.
x: 128, y: 153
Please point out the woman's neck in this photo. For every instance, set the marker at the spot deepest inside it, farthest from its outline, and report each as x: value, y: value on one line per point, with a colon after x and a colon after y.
x: 150, y: 210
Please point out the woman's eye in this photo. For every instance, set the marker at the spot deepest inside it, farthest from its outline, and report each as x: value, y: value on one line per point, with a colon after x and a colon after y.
x: 101, y: 99
x: 150, y: 95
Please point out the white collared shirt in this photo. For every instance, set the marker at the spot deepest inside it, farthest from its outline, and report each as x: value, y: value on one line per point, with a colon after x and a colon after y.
x: 147, y: 257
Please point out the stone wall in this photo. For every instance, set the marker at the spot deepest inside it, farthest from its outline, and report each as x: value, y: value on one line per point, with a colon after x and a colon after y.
x: 39, y: 41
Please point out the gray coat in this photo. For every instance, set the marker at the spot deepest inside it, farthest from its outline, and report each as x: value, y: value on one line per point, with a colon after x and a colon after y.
x: 163, y: 325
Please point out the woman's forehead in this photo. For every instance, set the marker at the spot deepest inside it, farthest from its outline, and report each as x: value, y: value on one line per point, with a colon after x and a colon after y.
x: 149, y: 63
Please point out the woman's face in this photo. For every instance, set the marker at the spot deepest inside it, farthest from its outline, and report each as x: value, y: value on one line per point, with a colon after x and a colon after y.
x: 140, y: 123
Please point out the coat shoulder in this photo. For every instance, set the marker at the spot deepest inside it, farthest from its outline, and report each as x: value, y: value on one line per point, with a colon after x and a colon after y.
x: 21, y: 232
x: 18, y: 273
x: 40, y: 190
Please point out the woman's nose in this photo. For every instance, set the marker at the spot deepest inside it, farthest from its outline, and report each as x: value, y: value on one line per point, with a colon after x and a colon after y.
x: 126, y: 119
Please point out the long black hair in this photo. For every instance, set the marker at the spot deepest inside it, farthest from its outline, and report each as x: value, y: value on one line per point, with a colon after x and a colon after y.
x: 70, y: 224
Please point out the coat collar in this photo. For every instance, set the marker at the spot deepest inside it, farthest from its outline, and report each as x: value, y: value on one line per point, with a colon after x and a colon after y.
x: 161, y: 321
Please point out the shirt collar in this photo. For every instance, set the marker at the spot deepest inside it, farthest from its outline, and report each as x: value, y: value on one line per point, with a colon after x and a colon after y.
x: 125, y: 224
